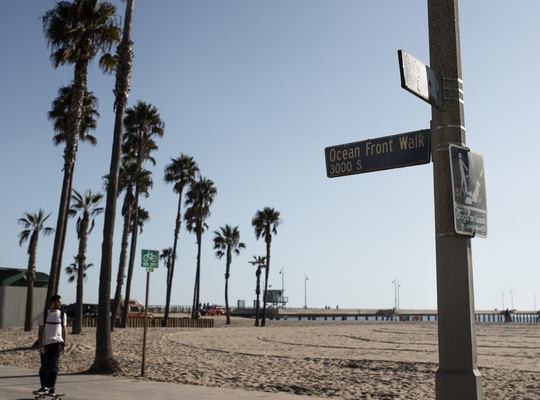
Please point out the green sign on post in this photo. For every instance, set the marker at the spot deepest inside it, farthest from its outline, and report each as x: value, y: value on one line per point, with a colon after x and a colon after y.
x: 149, y: 259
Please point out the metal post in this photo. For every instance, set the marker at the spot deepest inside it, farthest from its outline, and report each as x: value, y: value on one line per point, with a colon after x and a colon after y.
x: 305, y: 291
x: 395, y: 293
x: 458, y: 376
x: 512, y: 298
x: 145, y: 322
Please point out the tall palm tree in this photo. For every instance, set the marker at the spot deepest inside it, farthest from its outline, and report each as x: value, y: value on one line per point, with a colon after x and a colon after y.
x: 72, y: 270
x: 104, y: 361
x: 259, y: 262
x: 33, y: 225
x: 76, y: 32
x: 142, y: 123
x: 265, y: 223
x: 130, y: 173
x: 227, y: 242
x: 199, y: 198
x: 59, y: 116
x: 180, y: 172
x: 87, y: 206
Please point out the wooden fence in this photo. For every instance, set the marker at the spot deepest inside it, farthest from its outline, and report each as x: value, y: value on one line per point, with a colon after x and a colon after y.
x: 154, y: 322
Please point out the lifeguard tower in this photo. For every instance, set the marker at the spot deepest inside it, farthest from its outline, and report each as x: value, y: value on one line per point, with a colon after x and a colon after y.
x: 275, y: 298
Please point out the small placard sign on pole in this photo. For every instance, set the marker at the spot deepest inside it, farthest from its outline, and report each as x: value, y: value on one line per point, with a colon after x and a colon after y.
x: 469, y: 189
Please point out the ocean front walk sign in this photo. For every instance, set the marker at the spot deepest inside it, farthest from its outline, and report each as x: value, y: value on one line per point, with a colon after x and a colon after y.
x: 388, y: 152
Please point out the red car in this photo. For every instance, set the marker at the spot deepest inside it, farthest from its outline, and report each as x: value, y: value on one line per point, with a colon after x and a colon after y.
x: 211, y: 310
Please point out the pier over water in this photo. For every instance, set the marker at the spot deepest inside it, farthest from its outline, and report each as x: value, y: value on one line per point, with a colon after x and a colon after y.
x: 381, y: 314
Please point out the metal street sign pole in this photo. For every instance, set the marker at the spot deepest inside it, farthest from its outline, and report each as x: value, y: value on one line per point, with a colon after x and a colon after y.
x: 145, y: 323
x: 149, y: 260
x: 458, y: 376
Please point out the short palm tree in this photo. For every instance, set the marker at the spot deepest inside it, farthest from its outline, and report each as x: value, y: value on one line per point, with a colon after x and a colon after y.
x: 166, y: 255
x: 130, y: 174
x: 265, y: 223
x: 33, y: 225
x: 76, y: 32
x: 72, y: 270
x: 199, y: 198
x: 259, y: 262
x: 143, y: 217
x: 180, y: 172
x: 226, y: 243
x: 87, y: 206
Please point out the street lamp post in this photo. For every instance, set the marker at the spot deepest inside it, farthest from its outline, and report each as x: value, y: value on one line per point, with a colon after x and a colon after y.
x: 512, y: 298
x: 305, y: 291
x: 396, y: 293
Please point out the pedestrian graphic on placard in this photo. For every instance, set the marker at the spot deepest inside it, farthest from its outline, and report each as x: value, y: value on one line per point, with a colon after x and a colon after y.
x: 469, y: 191
x: 464, y: 176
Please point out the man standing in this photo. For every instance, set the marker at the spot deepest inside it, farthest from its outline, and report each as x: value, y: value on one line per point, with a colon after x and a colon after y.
x: 52, y: 337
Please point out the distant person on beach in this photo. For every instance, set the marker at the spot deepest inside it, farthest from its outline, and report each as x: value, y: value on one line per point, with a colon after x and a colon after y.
x: 507, y: 316
x: 52, y: 336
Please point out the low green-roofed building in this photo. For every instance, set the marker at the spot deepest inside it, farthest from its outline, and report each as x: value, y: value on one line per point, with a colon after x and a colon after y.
x: 13, y: 289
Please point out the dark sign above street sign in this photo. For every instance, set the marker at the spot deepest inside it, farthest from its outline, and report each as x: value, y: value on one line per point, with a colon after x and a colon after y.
x: 469, y: 188
x: 388, y: 152
x: 419, y: 79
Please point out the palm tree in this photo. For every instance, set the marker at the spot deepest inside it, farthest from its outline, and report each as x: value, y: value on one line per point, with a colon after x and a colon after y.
x: 33, y: 224
x: 265, y: 223
x: 199, y: 198
x: 143, y: 216
x: 226, y: 242
x: 76, y: 32
x: 104, y: 361
x: 87, y: 206
x: 142, y: 123
x: 180, y: 172
x: 72, y: 270
x: 59, y: 116
x: 130, y: 174
x: 166, y: 255
x: 260, y: 262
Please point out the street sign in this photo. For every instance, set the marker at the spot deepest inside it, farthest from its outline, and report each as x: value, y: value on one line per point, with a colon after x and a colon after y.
x: 149, y: 259
x: 419, y: 79
x: 388, y: 152
x: 469, y: 189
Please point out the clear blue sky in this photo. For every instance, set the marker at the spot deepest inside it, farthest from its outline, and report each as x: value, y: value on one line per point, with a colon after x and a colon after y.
x: 254, y: 91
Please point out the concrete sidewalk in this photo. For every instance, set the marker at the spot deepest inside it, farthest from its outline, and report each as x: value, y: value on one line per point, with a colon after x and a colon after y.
x: 18, y: 384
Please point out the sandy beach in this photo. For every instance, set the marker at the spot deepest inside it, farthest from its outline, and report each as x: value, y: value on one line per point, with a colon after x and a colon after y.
x: 335, y: 359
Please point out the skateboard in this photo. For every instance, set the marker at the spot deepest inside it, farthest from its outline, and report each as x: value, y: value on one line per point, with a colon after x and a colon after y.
x: 43, y: 395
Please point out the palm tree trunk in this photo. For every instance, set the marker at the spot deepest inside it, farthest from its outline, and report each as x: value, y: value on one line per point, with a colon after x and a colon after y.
x: 263, y: 323
x: 104, y: 361
x: 171, y: 271
x: 81, y: 258
x: 122, y: 264
x: 228, y: 310
x: 31, y: 277
x: 60, y: 256
x: 70, y: 151
x: 196, y: 292
x: 132, y: 255
x: 258, y: 293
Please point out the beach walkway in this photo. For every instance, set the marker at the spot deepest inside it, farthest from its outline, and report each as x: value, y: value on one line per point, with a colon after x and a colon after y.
x: 18, y: 384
